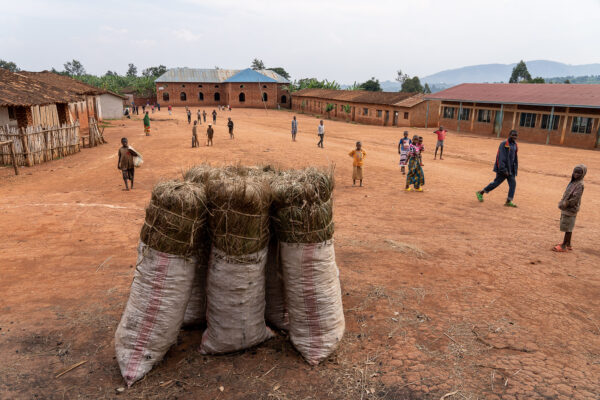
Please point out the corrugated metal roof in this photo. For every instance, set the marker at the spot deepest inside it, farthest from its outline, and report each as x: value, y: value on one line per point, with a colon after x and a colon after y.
x: 250, y: 75
x: 18, y: 89
x: 354, y: 96
x: 523, y: 93
x: 187, y: 75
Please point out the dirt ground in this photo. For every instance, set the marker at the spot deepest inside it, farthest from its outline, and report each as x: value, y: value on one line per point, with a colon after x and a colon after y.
x: 444, y: 297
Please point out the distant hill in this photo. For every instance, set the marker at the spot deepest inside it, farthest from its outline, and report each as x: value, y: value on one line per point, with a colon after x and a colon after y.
x: 501, y: 72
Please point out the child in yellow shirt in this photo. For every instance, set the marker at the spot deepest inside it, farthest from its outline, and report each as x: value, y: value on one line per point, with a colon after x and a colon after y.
x: 358, y: 156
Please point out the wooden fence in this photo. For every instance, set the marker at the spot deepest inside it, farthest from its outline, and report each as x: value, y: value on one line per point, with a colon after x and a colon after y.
x: 35, y: 145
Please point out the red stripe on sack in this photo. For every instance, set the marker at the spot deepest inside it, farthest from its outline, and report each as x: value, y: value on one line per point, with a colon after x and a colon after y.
x: 147, y: 324
x: 313, y: 318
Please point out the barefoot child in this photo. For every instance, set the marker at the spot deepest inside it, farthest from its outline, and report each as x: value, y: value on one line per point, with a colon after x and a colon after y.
x: 230, y: 126
x: 359, y: 159
x: 125, y: 163
x: 195, y: 135
x: 209, y: 135
x: 415, y: 176
x: 403, y: 146
x: 441, y: 134
x: 421, y: 150
x: 569, y: 206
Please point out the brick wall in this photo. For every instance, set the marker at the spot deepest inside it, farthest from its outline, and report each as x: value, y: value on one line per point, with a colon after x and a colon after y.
x: 24, y: 117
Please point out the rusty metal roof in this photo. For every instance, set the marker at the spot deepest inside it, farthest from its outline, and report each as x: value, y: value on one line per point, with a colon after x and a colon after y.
x: 355, y: 96
x: 18, y: 89
x: 566, y: 95
x: 187, y: 75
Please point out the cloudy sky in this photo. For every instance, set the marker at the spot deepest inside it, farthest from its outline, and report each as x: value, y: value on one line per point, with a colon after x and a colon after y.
x: 343, y: 40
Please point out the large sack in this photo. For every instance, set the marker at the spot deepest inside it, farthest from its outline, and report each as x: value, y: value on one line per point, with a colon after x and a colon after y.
x: 195, y: 313
x: 150, y: 323
x: 275, y: 310
x: 235, y: 302
x: 313, y: 298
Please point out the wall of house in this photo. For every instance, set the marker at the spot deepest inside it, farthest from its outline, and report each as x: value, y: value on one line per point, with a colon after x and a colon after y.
x: 4, y: 118
x: 111, y: 106
x: 511, y: 120
x: 229, y: 94
x: 418, y: 114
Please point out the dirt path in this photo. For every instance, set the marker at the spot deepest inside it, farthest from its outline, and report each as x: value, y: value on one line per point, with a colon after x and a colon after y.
x: 441, y: 293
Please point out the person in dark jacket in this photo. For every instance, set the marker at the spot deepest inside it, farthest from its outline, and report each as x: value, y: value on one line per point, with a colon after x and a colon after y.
x: 569, y: 207
x: 505, y: 167
x: 230, y: 126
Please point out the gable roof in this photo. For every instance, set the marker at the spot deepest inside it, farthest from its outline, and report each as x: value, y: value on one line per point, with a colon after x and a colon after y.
x: 18, y: 89
x: 203, y: 75
x: 355, y: 96
x: 65, y: 83
x: 250, y: 75
x: 566, y: 95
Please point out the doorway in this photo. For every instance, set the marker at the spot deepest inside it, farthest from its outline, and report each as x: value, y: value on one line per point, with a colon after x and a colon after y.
x: 395, y: 122
x: 386, y: 119
x: 598, y: 135
x: 498, y: 122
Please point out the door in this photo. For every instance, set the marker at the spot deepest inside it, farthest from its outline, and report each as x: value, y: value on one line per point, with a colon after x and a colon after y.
x: 395, y: 123
x: 498, y: 122
x: 387, y: 118
x: 598, y: 135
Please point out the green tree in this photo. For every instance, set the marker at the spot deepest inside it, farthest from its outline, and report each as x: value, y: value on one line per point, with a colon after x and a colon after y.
x: 538, y: 79
x: 520, y: 73
x: 154, y: 72
x: 9, y: 65
x: 354, y: 86
x: 372, y: 85
x: 111, y: 73
x: 426, y: 89
x: 412, y: 85
x: 281, y: 72
x: 74, y: 68
x: 567, y: 81
x: 314, y: 83
x: 401, y: 77
x: 132, y: 70
x: 257, y: 64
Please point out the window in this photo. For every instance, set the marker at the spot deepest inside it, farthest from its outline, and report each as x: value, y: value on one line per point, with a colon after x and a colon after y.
x: 200, y: 96
x: 182, y: 96
x: 527, y: 120
x: 484, y: 116
x: 216, y: 86
x: 379, y: 113
x: 464, y: 113
x: 264, y: 86
x: 547, y: 121
x: 242, y: 97
x: 365, y: 111
x: 582, y: 125
x: 405, y: 115
x: 449, y: 112
x: 199, y: 85
x: 241, y: 86
x: 265, y: 97
x: 182, y: 85
x: 217, y: 96
x: 165, y: 96
x: 12, y: 114
x: 284, y: 99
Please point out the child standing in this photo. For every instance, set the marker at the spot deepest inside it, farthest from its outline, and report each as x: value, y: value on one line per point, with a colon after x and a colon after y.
x: 421, y: 150
x: 358, y: 155
x: 403, y: 146
x: 569, y: 207
x: 415, y: 176
x: 170, y: 109
x: 230, y: 126
x: 147, y: 124
x: 441, y: 135
x: 195, y: 135
x: 125, y: 163
x: 321, y: 134
x: 209, y: 135
x: 189, y: 115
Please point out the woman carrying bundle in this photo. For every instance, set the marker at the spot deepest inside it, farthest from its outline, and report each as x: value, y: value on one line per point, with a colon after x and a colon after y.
x: 415, y: 176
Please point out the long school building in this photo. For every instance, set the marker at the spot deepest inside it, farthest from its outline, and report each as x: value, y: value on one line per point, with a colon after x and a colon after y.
x: 559, y: 114
x: 373, y: 108
x: 195, y: 87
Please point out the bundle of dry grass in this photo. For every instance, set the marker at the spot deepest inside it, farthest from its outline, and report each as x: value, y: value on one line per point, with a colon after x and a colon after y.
x: 302, y: 205
x: 176, y: 218
x: 201, y: 173
x: 239, y: 219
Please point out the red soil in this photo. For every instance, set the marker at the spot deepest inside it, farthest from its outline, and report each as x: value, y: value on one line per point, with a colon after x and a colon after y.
x: 441, y: 293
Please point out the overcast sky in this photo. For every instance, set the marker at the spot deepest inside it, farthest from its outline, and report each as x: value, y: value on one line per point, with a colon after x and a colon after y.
x: 342, y: 40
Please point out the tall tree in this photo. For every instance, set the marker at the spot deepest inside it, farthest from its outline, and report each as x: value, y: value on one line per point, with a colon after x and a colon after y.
x: 372, y: 85
x: 567, y: 81
x: 257, y: 64
x: 281, y: 72
x: 74, y: 68
x: 132, y: 71
x: 9, y: 65
x: 111, y: 73
x: 520, y: 73
x: 400, y: 77
x: 412, y: 85
x: 426, y: 89
x: 154, y: 72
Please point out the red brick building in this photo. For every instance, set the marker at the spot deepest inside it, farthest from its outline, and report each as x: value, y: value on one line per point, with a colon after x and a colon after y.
x: 374, y: 108
x: 210, y: 87
x: 559, y: 114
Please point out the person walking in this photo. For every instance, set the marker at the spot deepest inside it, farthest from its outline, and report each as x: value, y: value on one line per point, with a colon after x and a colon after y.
x: 321, y: 134
x: 415, y: 176
x: 147, y: 124
x: 158, y: 106
x: 358, y: 161
x: 170, y: 109
x: 230, y: 126
x: 209, y: 135
x: 403, y: 146
x: 199, y: 117
x: 569, y: 207
x: 214, y: 115
x: 505, y: 167
x: 125, y: 162
x: 294, y: 128
x: 441, y: 136
x: 195, y: 135
x: 204, y: 115
x: 189, y: 116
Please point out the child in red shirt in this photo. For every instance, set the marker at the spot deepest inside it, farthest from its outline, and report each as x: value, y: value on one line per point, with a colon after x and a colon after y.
x: 441, y: 134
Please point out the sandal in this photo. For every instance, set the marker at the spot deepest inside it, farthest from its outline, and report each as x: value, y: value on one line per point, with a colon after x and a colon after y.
x: 559, y: 249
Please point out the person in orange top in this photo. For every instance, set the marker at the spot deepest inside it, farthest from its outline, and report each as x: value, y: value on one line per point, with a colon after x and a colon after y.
x: 358, y: 155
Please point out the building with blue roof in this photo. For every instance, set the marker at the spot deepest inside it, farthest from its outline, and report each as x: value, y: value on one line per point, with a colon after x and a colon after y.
x: 197, y: 87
